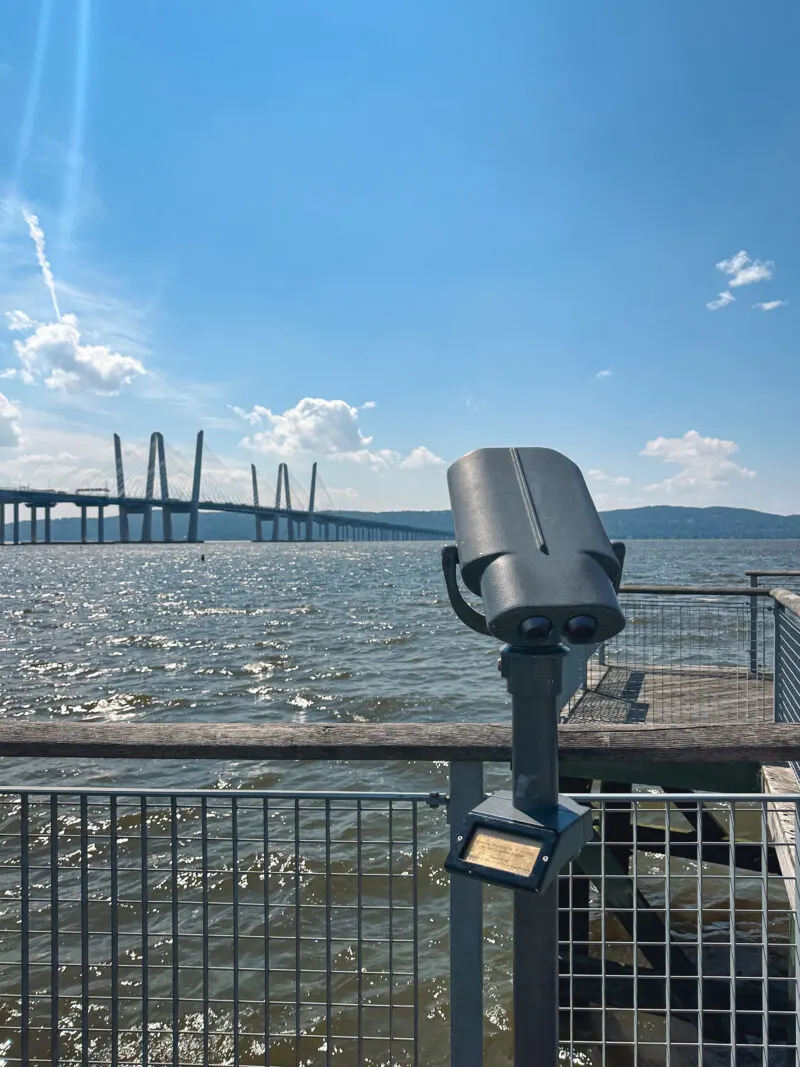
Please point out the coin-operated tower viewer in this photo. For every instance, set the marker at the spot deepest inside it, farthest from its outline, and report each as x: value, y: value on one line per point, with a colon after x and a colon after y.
x: 531, y: 545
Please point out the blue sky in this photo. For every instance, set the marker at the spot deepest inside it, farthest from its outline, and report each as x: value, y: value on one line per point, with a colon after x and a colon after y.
x: 381, y: 235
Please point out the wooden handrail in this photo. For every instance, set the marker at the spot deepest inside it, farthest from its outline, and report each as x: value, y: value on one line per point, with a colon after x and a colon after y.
x: 789, y: 600
x: 698, y: 590
x: 425, y: 741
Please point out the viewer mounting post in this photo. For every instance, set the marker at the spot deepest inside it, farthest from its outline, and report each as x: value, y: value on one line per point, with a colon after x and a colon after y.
x: 531, y: 545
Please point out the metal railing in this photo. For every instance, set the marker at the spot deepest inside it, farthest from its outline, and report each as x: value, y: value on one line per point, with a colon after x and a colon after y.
x: 681, y: 937
x: 210, y: 928
x: 686, y: 655
x: 787, y: 660
x: 296, y: 928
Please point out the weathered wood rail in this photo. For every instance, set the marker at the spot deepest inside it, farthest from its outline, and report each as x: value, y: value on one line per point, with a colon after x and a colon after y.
x: 699, y: 590
x: 452, y: 742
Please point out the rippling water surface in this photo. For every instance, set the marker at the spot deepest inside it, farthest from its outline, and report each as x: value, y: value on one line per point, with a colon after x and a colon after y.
x: 277, y: 633
x: 266, y: 633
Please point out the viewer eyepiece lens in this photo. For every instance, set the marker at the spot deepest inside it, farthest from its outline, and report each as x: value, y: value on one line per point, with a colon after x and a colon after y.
x: 536, y: 628
x: 581, y: 629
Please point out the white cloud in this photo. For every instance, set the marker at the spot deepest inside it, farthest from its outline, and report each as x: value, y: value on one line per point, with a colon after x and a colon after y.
x: 704, y: 462
x: 54, y: 351
x: 601, y: 476
x: 770, y: 305
x: 329, y: 428
x: 19, y: 320
x: 421, y: 457
x: 604, y: 374
x: 721, y: 301
x: 743, y: 270
x: 10, y: 433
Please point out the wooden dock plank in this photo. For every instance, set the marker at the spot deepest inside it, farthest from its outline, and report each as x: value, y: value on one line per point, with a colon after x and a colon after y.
x: 780, y: 780
x: 662, y: 695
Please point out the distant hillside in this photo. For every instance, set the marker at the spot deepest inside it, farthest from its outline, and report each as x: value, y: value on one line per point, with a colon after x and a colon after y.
x: 666, y: 522
x: 633, y: 524
x: 663, y: 522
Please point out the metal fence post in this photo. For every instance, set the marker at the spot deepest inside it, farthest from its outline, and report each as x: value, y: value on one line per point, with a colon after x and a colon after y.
x: 753, y: 626
x: 466, y: 930
x: 777, y: 703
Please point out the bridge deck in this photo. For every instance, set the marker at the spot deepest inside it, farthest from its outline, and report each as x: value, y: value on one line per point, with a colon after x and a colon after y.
x: 701, y: 695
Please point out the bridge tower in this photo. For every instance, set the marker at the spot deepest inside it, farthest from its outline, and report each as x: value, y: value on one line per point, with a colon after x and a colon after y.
x: 147, y: 517
x: 276, y: 520
x: 257, y: 515
x: 166, y: 511
x: 311, y: 495
x: 194, y: 510
x: 288, y: 494
x: 124, y: 528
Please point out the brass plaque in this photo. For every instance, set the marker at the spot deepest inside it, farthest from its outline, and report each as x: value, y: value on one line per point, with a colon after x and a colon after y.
x: 511, y: 853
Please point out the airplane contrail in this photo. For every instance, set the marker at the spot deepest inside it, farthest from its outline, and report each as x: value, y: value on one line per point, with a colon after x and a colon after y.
x: 37, y: 236
x: 72, y: 178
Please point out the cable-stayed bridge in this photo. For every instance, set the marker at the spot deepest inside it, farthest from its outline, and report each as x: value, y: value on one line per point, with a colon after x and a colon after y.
x: 142, y: 482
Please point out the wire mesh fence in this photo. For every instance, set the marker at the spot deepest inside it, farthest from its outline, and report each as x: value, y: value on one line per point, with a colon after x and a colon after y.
x: 787, y: 668
x: 210, y: 929
x: 286, y: 929
x: 683, y: 659
x: 677, y: 936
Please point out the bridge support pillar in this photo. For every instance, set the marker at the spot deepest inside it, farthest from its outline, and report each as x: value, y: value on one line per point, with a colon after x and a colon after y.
x: 288, y: 494
x: 83, y: 524
x: 124, y: 528
x: 276, y: 521
x: 2, y: 524
x: 16, y: 523
x: 47, y: 528
x: 166, y: 513
x: 256, y: 515
x: 194, y: 514
x: 147, y: 517
x: 311, y: 497
x: 33, y: 524
x: 101, y: 524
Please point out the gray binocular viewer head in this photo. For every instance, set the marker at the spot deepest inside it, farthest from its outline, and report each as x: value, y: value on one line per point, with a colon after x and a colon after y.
x: 531, y: 544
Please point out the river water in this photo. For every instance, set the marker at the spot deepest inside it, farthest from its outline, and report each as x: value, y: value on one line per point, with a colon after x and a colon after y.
x: 267, y: 633
x: 279, y: 633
